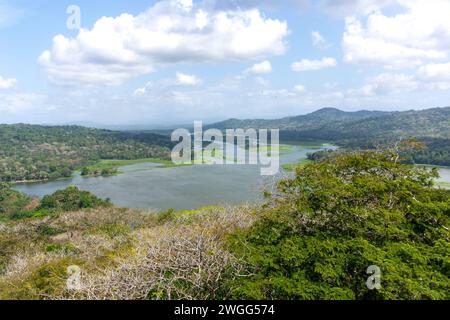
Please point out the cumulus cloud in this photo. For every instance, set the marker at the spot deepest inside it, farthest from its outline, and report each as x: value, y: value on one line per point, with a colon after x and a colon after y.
x: 313, y: 65
x: 260, y: 68
x: 7, y: 83
x: 163, y: 86
x: 435, y: 71
x: 419, y: 34
x: 170, y: 32
x: 388, y: 83
x: 187, y: 79
x: 435, y: 75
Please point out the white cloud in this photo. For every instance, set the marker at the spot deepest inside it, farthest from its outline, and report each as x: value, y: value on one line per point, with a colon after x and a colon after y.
x: 187, y: 79
x: 421, y: 33
x: 435, y: 71
x: 260, y: 68
x: 7, y: 83
x: 388, y: 83
x: 170, y: 32
x: 436, y: 76
x: 140, y: 91
x: 181, y: 81
x: 15, y: 103
x: 300, y: 88
x: 313, y: 65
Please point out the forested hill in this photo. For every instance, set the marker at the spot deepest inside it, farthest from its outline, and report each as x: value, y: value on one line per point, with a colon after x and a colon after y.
x: 31, y: 152
x: 433, y: 123
x: 365, y: 129
x: 313, y: 120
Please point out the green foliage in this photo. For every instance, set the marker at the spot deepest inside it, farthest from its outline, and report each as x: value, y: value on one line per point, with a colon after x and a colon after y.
x: 290, y: 167
x: 46, y: 230
x: 31, y: 153
x: 166, y: 216
x: 59, y: 248
x: 365, y: 130
x: 113, y: 230
x: 72, y: 199
x: 88, y: 171
x: 48, y: 280
x: 326, y: 226
x: 29, y: 214
x: 13, y: 204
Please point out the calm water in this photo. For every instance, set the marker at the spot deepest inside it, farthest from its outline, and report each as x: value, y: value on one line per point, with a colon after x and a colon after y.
x: 445, y: 175
x: 147, y: 186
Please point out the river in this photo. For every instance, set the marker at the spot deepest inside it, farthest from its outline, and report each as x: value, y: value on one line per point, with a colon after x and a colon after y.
x: 147, y: 186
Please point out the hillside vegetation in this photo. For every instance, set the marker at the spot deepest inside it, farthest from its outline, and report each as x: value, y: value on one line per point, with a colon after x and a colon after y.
x: 29, y: 152
x: 314, y: 238
x: 365, y: 130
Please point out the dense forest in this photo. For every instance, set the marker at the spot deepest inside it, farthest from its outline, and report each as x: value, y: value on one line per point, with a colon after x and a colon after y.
x: 366, y: 130
x: 314, y: 238
x: 30, y: 152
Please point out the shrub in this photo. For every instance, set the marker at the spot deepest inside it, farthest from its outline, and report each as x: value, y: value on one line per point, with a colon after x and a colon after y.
x: 72, y: 199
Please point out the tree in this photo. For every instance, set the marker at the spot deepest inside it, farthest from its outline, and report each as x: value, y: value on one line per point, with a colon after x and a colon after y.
x: 71, y: 199
x: 322, y: 229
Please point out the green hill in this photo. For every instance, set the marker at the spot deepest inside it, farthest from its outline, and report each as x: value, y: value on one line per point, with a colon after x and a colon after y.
x: 313, y: 120
x: 30, y: 152
x: 365, y: 129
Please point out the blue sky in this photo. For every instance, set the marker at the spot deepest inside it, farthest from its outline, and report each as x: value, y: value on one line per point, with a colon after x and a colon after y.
x: 175, y: 61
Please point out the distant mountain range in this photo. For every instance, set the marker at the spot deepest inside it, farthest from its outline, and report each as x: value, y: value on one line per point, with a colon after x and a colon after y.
x: 312, y: 120
x: 326, y: 123
x: 353, y: 130
x: 363, y: 129
x: 329, y: 123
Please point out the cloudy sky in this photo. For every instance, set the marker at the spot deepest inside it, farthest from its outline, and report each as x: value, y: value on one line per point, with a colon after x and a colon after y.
x: 175, y: 61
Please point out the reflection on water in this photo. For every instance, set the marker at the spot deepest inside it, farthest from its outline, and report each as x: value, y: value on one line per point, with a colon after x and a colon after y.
x: 146, y: 186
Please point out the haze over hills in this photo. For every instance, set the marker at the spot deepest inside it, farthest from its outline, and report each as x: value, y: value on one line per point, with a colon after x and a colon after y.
x: 331, y: 123
x: 326, y: 123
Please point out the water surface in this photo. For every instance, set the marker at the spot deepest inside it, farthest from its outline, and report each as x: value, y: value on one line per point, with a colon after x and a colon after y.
x: 146, y: 185
x: 445, y: 175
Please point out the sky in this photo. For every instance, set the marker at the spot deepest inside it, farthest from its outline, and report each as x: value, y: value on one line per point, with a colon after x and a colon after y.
x: 175, y: 61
